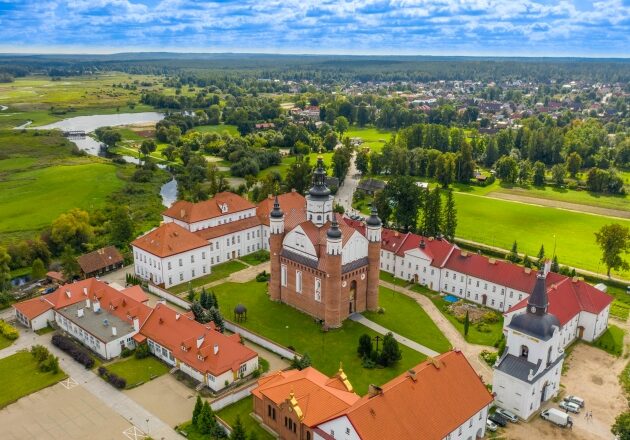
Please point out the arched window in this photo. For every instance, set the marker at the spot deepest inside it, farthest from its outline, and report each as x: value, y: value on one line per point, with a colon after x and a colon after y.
x: 524, y: 351
x: 549, y: 356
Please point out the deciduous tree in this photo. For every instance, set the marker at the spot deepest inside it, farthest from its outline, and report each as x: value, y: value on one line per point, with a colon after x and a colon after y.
x: 614, y: 242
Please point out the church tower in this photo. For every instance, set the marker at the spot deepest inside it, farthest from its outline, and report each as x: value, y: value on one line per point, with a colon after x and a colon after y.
x: 528, y: 373
x: 332, y: 284
x: 373, y: 233
x: 276, y: 226
x: 319, y: 201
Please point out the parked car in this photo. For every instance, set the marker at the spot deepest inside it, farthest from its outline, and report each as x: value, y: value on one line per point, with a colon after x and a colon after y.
x: 491, y: 426
x: 570, y: 407
x: 575, y: 399
x: 508, y: 415
x: 498, y: 419
x: 558, y: 417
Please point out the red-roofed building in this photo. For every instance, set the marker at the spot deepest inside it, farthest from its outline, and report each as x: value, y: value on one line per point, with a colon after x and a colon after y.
x: 441, y: 398
x: 198, y: 350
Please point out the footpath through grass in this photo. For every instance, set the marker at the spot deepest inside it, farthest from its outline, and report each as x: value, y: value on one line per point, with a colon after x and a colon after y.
x: 403, y: 315
x: 137, y: 371
x: 289, y: 327
x: 218, y: 272
x: 21, y: 377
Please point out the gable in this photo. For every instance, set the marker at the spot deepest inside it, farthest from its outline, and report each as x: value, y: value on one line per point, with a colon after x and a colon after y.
x: 298, y: 241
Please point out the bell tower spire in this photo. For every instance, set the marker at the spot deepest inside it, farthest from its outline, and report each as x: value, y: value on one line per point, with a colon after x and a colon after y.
x: 319, y: 201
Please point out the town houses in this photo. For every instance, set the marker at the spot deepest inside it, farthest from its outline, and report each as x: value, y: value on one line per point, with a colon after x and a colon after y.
x: 441, y: 398
x: 107, y: 320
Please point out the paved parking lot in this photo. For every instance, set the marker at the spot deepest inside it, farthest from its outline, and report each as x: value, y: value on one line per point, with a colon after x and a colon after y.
x: 63, y: 411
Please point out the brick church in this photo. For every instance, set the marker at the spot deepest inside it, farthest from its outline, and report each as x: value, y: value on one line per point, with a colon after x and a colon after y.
x: 320, y: 264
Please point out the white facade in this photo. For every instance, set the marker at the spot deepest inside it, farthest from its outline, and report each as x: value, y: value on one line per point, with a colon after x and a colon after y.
x: 215, y: 221
x: 37, y: 323
x: 174, y: 269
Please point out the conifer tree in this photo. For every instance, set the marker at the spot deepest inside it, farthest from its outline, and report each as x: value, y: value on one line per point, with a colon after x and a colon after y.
x: 450, y: 216
x: 238, y: 432
x: 197, y: 411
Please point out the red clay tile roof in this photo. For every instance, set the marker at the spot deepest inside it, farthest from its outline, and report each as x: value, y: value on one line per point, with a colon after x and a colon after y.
x: 32, y: 308
x: 194, y: 212
x: 496, y: 271
x: 318, y: 397
x: 99, y: 259
x: 429, y: 408
x: 228, y: 228
x: 172, y: 329
x: 568, y: 297
x: 136, y: 293
x: 56, y: 276
x: 293, y: 204
x: 168, y: 239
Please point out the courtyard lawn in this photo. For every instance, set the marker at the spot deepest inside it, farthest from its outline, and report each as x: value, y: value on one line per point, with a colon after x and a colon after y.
x: 21, y: 377
x: 372, y: 137
x: 243, y: 408
x: 499, y: 223
x: 223, y: 128
x: 289, y: 327
x: 136, y: 371
x: 611, y: 340
x: 218, y: 272
x: 403, y: 315
x: 386, y: 276
x: 620, y: 310
x: 256, y: 258
x: 4, y: 342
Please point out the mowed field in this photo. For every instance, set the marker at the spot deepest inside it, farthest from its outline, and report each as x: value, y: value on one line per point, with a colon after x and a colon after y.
x: 372, y: 137
x: 40, y: 179
x: 498, y: 223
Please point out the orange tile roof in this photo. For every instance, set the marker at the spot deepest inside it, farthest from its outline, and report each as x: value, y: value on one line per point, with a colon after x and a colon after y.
x: 293, y: 204
x: 318, y: 396
x: 437, y: 402
x: 136, y: 293
x: 168, y: 239
x: 172, y: 330
x: 228, y: 228
x: 194, y: 212
x: 32, y: 308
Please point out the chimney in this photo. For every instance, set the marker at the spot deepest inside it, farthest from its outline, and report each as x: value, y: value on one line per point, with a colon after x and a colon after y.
x: 464, y: 253
x: 88, y: 304
x: 412, y: 374
x: 80, y: 313
x: 422, y: 243
x: 182, y: 213
x: 114, y: 331
x: 96, y: 305
x: 177, y: 315
x: 85, y: 292
x: 216, y: 348
x: 136, y: 324
x: 200, y: 341
x: 374, y: 390
x: 492, y: 261
x: 528, y: 270
x: 547, y: 267
x: 68, y: 294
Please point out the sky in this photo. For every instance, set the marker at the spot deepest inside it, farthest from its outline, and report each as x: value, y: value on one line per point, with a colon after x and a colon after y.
x: 413, y: 27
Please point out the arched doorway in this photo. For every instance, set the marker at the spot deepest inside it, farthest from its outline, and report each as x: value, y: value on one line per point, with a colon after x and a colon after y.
x: 415, y: 278
x: 543, y: 393
x: 352, y: 303
x: 479, y: 433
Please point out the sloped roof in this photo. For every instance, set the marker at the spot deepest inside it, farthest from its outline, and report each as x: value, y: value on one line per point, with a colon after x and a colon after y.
x: 172, y: 330
x: 136, y: 293
x: 168, y: 239
x: 228, y: 228
x: 99, y: 259
x: 318, y: 396
x: 446, y: 393
x: 194, y: 212
x: 293, y: 204
x: 568, y: 297
x: 34, y: 307
x: 317, y: 234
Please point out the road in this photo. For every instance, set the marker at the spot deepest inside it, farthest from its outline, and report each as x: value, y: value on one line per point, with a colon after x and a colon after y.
x: 346, y: 191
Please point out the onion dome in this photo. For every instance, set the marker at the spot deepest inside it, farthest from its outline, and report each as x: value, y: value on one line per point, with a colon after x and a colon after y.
x: 373, y: 219
x: 276, y: 212
x: 334, y: 233
x: 319, y: 190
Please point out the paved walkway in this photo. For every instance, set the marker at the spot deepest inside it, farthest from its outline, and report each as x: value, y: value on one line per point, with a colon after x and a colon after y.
x: 357, y: 317
x: 471, y: 351
x: 108, y: 395
x: 346, y: 191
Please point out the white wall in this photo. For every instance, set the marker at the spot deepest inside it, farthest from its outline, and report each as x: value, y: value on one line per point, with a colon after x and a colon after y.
x: 176, y: 269
x: 355, y: 248
x: 471, y: 427
x: 37, y: 323
x: 238, y: 244
x: 208, y: 223
x: 340, y: 429
x: 161, y: 352
x: 297, y: 241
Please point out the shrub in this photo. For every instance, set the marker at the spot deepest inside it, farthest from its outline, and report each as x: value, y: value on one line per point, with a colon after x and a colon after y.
x: 39, y: 352
x: 77, y: 353
x: 491, y: 317
x: 263, y: 276
x: 489, y: 357
x: 142, y: 351
x: 51, y: 363
x: 483, y: 327
x: 111, y: 378
x: 126, y: 352
x: 8, y: 331
x: 102, y: 371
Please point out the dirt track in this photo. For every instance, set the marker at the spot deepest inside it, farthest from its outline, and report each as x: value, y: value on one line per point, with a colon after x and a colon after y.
x: 558, y: 204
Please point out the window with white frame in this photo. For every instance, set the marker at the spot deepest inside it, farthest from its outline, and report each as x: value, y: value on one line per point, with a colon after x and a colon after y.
x: 298, y: 281
x: 283, y: 275
x: 318, y: 289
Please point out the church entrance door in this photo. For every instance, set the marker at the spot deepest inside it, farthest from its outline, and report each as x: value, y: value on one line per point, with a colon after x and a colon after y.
x: 352, y: 306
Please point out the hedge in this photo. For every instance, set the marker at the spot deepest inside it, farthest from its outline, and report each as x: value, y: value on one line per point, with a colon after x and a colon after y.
x: 113, y: 379
x: 8, y: 331
x: 79, y: 354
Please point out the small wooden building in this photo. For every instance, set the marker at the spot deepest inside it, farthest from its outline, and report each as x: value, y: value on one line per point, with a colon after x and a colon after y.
x: 100, y: 261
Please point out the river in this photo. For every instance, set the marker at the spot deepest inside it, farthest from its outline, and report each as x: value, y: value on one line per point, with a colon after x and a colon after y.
x: 88, y: 124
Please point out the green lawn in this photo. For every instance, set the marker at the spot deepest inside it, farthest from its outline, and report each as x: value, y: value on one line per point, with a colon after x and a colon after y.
x: 499, y: 223
x: 256, y: 257
x: 4, y: 342
x: 230, y: 129
x: 403, y: 315
x: 218, y: 272
x: 611, y: 340
x: 620, y: 310
x: 21, y: 377
x: 137, y: 371
x: 372, y: 137
x: 243, y: 408
x: 386, y: 276
x: 290, y: 327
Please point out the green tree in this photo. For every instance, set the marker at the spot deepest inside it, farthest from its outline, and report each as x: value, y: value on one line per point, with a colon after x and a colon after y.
x: 445, y: 169
x: 527, y: 262
x: 330, y: 141
x: 524, y: 172
x: 539, y: 174
x: 507, y: 169
x: 405, y: 199
x: 555, y: 265
x: 38, y: 270
x: 381, y: 202
x: 390, y: 352
x: 558, y: 171
x: 621, y: 427
x: 71, y: 268
x: 362, y: 162
x: 466, y: 323
x: 341, y: 125
x: 432, y: 214
x: 299, y: 174
x: 147, y: 147
x: 364, y: 350
x: 205, y: 421
x: 363, y: 115
x: 203, y: 299
x: 541, y: 256
x: 465, y: 163
x: 450, y: 216
x: 121, y: 227
x: 5, y: 270
x: 238, y: 432
x: 513, y: 255
x: 574, y: 163
x: 614, y: 242
x: 197, y: 410
x: 72, y: 228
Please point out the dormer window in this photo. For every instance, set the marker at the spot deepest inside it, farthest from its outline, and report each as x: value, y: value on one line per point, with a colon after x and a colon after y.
x: 200, y: 357
x: 184, y: 348
x: 224, y: 208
